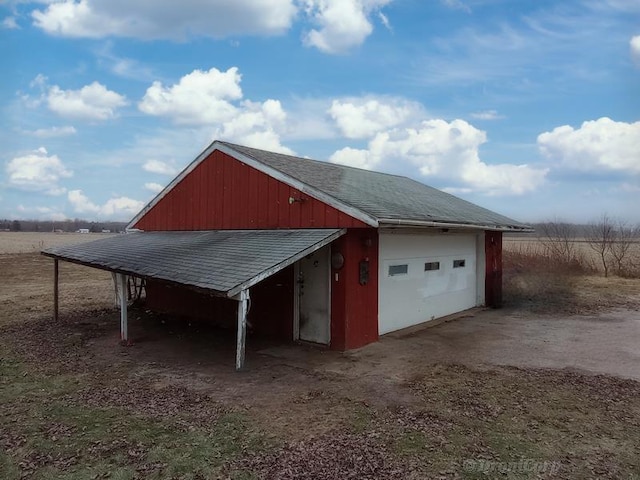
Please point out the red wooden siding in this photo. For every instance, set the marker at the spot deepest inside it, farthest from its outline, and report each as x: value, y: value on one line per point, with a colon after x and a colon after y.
x: 493, y: 277
x: 182, y: 301
x: 271, y: 312
x: 354, y: 307
x: 222, y: 193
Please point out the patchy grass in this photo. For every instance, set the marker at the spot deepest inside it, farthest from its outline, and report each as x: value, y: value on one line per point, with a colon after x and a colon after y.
x: 48, y: 431
x: 64, y: 424
x: 76, y: 405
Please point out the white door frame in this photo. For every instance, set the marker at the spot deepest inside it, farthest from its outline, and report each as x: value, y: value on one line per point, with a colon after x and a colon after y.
x: 296, y: 297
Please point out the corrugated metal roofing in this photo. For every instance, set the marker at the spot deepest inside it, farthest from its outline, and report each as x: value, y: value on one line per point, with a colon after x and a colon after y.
x: 223, y: 261
x: 379, y: 195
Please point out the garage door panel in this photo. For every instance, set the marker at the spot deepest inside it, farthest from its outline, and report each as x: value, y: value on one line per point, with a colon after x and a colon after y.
x: 425, y: 292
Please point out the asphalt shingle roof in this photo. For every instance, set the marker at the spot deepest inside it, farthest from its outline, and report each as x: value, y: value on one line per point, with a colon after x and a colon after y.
x: 380, y: 195
x: 225, y: 261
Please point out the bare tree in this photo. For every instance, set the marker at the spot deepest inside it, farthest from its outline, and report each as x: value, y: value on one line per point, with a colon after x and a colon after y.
x: 600, y: 236
x: 558, y: 238
x: 625, y: 236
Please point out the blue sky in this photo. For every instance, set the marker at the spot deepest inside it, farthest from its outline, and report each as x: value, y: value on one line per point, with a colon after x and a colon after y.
x: 529, y: 108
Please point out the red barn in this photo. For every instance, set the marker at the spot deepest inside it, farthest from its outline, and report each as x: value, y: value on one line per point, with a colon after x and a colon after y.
x: 305, y: 250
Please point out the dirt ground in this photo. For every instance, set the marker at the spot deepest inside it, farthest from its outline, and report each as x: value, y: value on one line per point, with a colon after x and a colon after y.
x: 466, y: 399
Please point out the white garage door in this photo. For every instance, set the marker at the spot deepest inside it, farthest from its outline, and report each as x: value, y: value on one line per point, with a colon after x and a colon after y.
x: 424, y: 277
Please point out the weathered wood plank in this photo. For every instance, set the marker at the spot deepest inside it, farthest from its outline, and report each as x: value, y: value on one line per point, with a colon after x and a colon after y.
x: 243, y: 303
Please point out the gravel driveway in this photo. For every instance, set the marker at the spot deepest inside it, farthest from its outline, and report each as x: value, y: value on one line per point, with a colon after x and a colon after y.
x: 606, y: 343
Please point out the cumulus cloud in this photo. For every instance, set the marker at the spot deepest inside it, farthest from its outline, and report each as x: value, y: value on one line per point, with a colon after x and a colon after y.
x: 153, y: 187
x: 213, y: 99
x: 364, y: 117
x: 160, y: 167
x: 53, y: 132
x: 447, y: 150
x: 338, y: 25
x: 341, y: 24
x: 602, y: 144
x: 198, y: 98
x: 165, y: 18
x: 258, y: 125
x: 37, y: 171
x: 115, y: 208
x: 634, y: 47
x: 91, y: 102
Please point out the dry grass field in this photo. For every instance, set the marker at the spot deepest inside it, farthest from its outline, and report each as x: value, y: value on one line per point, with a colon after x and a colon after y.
x: 75, y: 404
x: 535, y: 247
x: 32, y: 242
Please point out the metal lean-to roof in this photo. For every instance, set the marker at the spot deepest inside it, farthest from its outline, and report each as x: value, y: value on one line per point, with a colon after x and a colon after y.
x: 222, y: 261
x: 380, y: 195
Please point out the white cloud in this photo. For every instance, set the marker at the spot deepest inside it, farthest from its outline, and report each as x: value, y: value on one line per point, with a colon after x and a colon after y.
x: 339, y: 24
x: 385, y: 21
x: 122, y: 66
x: 634, y: 46
x: 40, y: 81
x: 116, y: 208
x: 47, y: 213
x: 445, y: 150
x: 121, y: 207
x: 10, y: 23
x: 53, y: 132
x: 342, y: 24
x: 81, y: 203
x: 165, y: 18
x: 37, y: 171
x: 91, y: 102
x: 160, y: 167
x: 57, y: 216
x: 198, y: 98
x: 457, y: 5
x: 257, y: 125
x: 213, y: 99
x: 487, y: 115
x: 601, y: 144
x: 153, y: 187
x: 364, y: 117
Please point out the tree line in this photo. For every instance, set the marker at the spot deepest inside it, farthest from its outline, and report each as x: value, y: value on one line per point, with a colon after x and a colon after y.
x: 74, y: 225
x: 611, y: 239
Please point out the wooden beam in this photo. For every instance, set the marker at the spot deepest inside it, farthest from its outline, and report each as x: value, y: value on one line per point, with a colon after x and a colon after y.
x: 56, y: 292
x: 243, y: 304
x: 122, y: 284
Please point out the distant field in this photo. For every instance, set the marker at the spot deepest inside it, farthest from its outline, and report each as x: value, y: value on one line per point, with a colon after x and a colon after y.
x: 29, y: 242
x: 532, y: 245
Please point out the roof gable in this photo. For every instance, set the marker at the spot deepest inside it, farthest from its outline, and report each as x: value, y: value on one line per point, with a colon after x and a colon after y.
x: 374, y: 198
x: 382, y: 196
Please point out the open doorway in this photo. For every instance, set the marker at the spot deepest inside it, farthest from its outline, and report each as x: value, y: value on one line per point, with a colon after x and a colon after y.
x: 314, y: 297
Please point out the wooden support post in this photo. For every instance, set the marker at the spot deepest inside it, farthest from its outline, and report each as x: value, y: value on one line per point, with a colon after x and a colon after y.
x: 493, y: 278
x: 116, y: 289
x: 243, y: 303
x: 56, y: 291
x: 122, y: 284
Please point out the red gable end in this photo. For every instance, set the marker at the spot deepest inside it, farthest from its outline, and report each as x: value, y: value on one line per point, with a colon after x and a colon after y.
x: 222, y: 193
